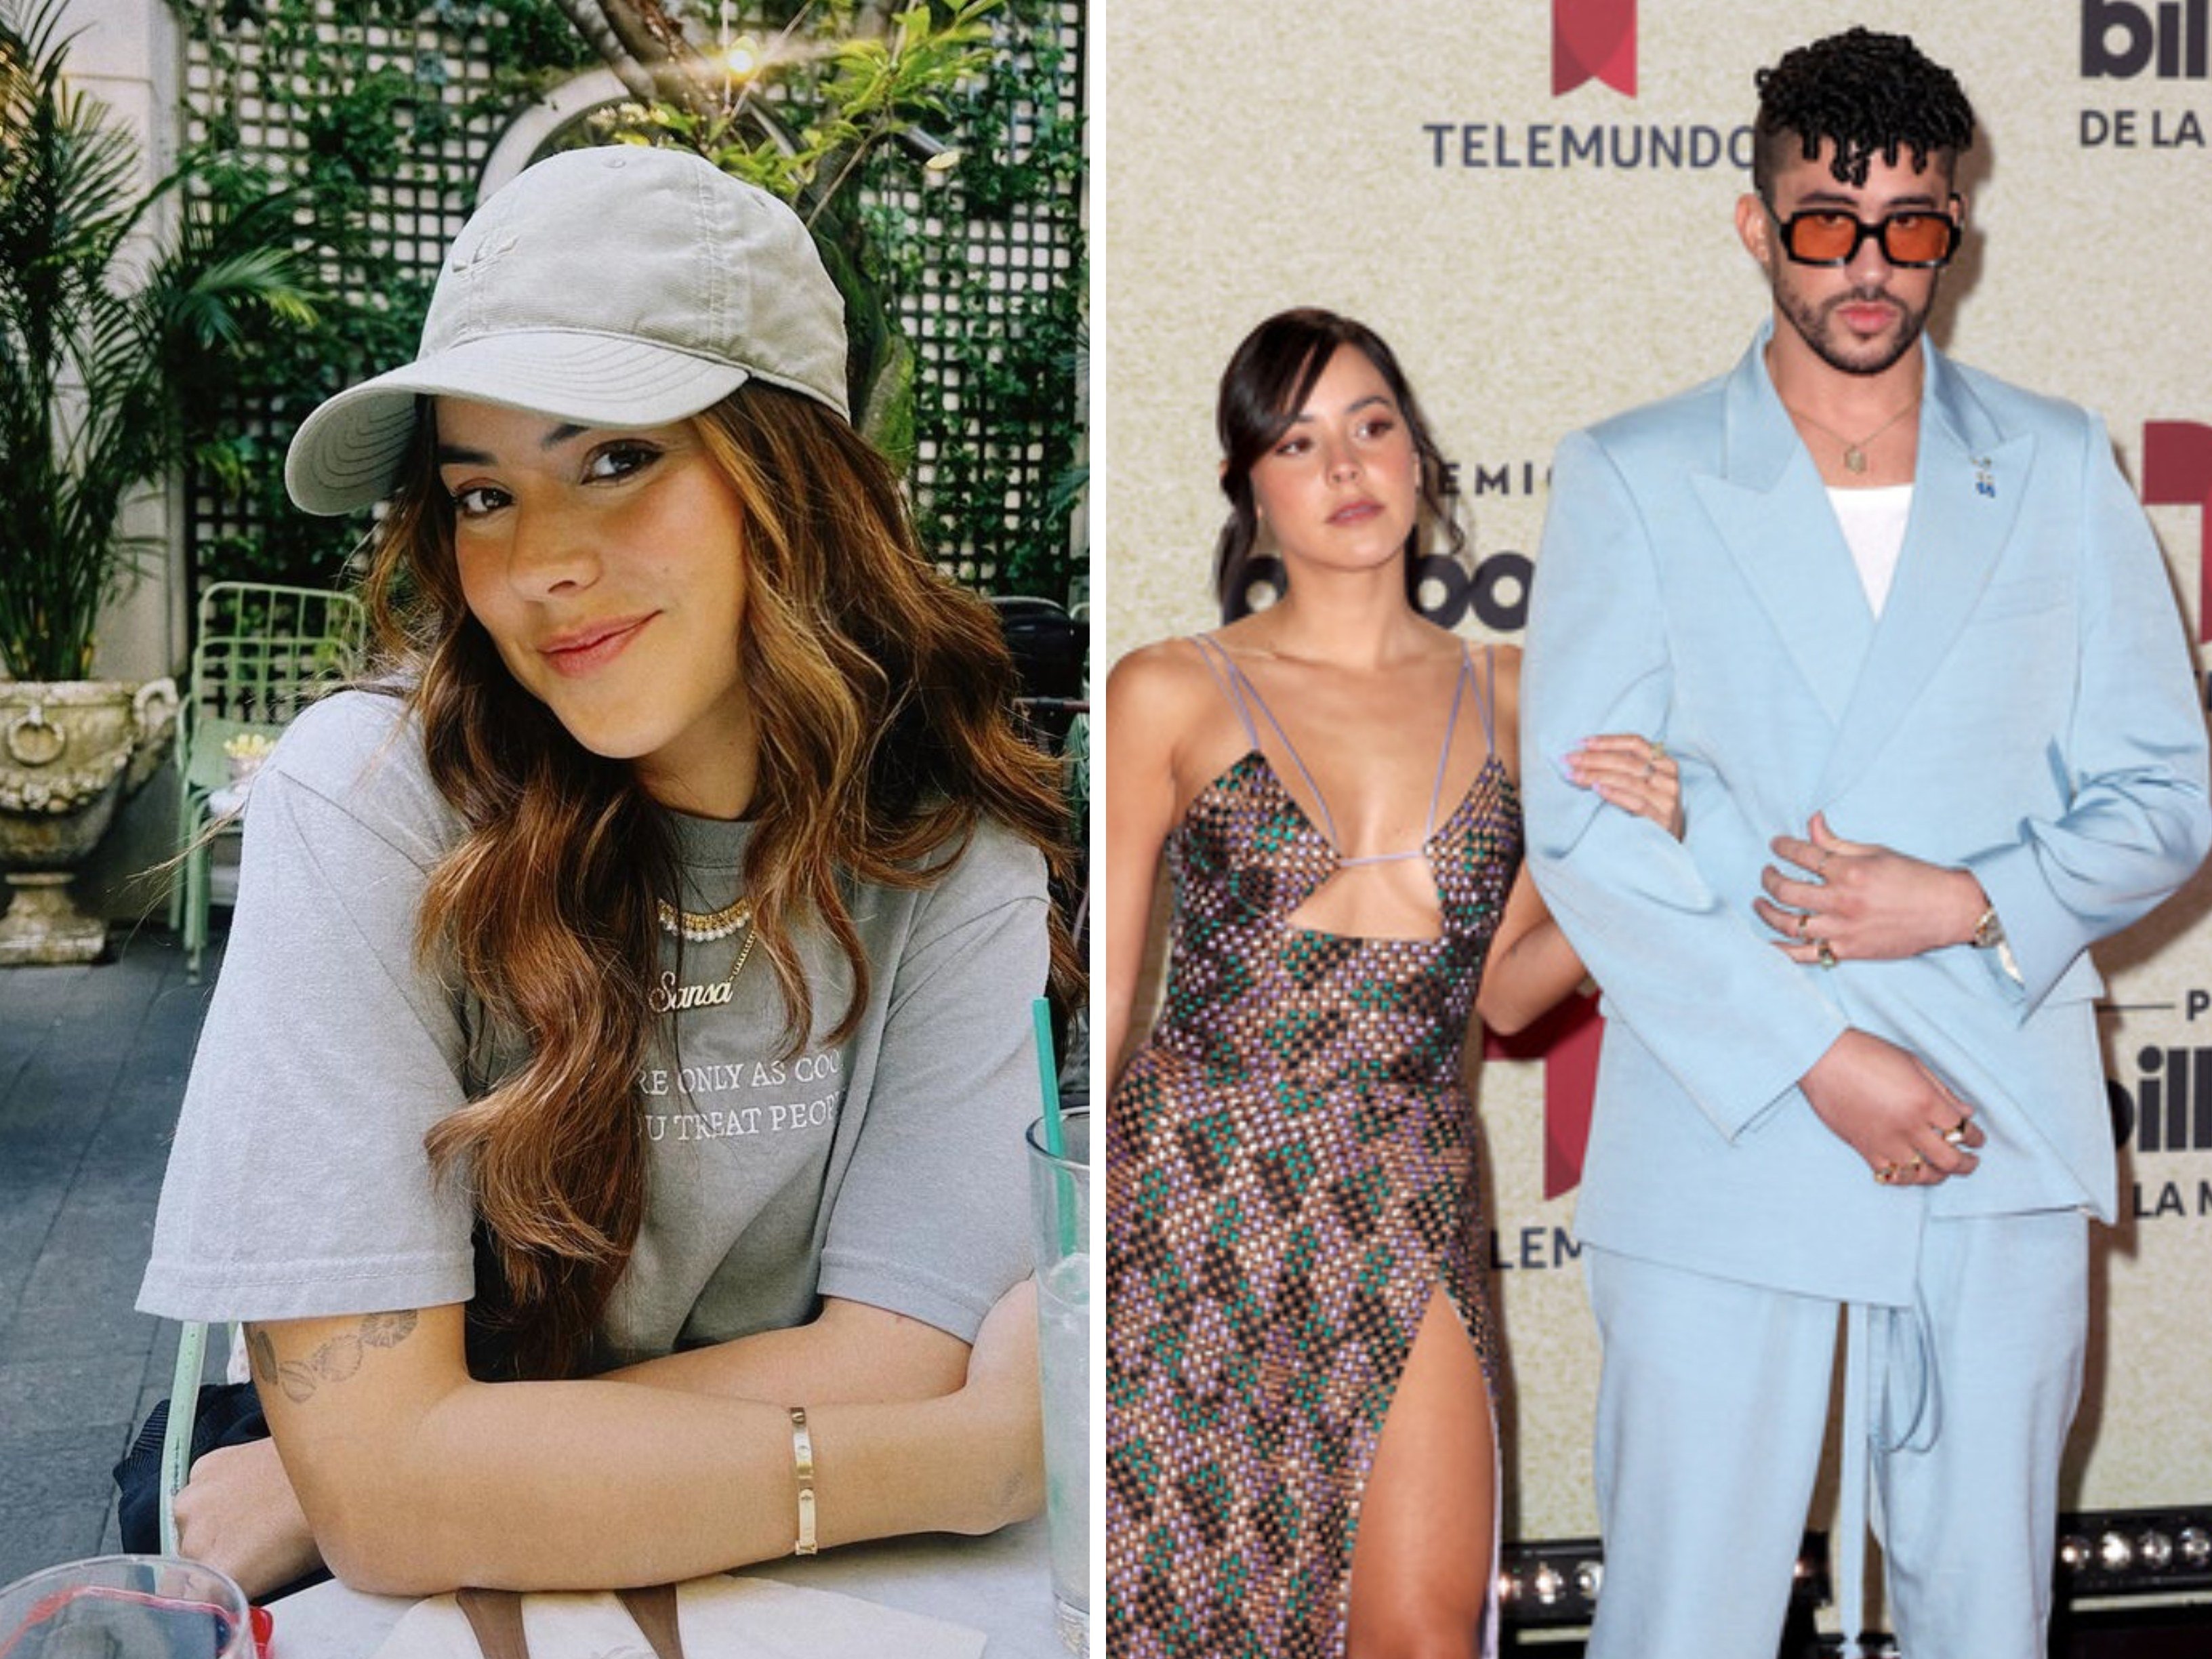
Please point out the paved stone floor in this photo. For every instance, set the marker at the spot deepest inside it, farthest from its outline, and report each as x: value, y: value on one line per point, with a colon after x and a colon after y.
x: 92, y: 1070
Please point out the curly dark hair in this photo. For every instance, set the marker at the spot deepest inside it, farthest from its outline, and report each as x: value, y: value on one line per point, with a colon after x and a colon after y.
x: 1872, y: 94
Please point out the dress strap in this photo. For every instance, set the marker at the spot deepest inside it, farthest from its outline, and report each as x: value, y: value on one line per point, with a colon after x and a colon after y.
x: 1249, y: 696
x: 1208, y: 650
x: 1488, y: 697
x: 1451, y: 729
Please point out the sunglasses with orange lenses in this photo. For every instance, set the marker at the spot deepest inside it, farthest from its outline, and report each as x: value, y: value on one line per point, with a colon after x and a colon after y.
x: 1916, y: 238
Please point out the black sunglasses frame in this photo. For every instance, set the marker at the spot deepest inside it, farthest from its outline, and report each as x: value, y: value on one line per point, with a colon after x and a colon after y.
x: 1875, y: 229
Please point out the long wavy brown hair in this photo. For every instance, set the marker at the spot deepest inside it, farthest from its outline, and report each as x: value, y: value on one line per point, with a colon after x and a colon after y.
x: 883, y: 694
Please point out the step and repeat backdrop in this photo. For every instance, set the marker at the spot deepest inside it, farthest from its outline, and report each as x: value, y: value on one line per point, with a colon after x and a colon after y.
x: 1532, y: 203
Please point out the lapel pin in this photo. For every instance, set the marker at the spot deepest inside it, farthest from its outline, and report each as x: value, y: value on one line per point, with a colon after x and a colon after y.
x: 1984, y: 484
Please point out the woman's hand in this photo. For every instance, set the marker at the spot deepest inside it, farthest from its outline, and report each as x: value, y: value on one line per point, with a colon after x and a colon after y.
x: 238, y: 1512
x: 1004, y: 1396
x: 1634, y: 774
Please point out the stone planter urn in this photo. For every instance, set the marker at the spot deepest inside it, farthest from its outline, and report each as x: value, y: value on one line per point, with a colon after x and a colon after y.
x: 71, y: 751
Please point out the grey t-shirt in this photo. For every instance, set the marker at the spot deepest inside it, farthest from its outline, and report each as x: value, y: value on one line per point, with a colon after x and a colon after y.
x: 886, y: 1169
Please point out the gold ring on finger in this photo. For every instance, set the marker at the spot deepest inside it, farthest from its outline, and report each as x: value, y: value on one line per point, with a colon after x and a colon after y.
x: 1804, y: 922
x: 1916, y: 1165
x: 1826, y: 954
x: 1955, y: 1135
x: 1886, y: 1173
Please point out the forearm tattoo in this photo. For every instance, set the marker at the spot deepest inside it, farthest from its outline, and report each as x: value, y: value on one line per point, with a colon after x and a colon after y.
x: 333, y: 1361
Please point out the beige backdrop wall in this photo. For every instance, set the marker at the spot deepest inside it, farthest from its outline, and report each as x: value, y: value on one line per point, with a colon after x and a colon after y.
x: 1385, y: 161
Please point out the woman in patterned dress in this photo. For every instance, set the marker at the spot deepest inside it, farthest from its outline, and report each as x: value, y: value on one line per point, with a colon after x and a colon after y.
x: 1291, y: 1153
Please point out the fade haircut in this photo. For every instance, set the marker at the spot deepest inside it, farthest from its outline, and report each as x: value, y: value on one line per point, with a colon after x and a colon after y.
x: 1870, y: 95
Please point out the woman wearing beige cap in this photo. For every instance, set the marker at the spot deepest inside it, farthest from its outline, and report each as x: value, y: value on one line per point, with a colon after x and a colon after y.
x: 608, y: 1122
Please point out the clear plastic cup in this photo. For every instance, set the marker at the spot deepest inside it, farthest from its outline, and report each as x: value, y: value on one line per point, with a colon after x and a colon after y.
x: 127, y: 1607
x: 1059, y: 1209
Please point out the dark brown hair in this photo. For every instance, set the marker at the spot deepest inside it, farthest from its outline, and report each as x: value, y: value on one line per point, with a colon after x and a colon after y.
x: 883, y: 694
x: 1270, y: 376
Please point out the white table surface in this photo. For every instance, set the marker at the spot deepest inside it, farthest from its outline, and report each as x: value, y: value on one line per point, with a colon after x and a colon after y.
x: 1000, y: 1584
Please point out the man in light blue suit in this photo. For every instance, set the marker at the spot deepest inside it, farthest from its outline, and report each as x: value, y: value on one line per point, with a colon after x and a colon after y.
x: 1912, y: 641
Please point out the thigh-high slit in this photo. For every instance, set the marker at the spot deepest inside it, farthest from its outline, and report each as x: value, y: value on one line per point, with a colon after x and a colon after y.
x: 1291, y: 1176
x: 1426, y: 1551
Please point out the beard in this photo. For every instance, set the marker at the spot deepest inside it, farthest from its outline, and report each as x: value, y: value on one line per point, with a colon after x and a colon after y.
x: 1835, y: 345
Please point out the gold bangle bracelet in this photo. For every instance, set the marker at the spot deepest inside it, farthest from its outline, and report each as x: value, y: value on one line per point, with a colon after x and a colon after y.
x: 802, y: 1462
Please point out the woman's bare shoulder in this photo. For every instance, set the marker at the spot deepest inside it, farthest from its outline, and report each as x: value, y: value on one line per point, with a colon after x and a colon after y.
x: 1168, y: 716
x: 1160, y: 679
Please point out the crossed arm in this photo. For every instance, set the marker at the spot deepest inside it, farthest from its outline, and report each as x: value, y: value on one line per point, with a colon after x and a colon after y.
x: 2135, y: 826
x: 409, y: 1478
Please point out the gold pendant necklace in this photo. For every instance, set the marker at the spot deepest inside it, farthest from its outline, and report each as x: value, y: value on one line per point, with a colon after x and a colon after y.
x: 1855, y: 459
x: 668, y: 996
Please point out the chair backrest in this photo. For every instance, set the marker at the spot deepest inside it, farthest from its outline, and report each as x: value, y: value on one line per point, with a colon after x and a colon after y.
x: 265, y: 611
x: 265, y: 680
x: 263, y: 654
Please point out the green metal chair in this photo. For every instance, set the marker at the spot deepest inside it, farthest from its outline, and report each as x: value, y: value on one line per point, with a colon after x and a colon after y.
x: 261, y: 654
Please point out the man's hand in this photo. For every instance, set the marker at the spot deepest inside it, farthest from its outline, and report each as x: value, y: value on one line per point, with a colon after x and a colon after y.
x: 1862, y: 903
x: 238, y: 1512
x: 1891, y: 1110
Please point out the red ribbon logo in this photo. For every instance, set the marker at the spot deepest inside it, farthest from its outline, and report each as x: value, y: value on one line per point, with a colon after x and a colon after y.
x: 2177, y: 472
x: 1566, y: 1041
x: 1594, y: 41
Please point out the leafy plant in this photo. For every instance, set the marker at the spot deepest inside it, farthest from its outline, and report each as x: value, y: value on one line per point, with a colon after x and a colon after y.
x: 366, y: 131
x: 836, y: 121
x: 802, y: 115
x: 1020, y: 368
x: 102, y: 322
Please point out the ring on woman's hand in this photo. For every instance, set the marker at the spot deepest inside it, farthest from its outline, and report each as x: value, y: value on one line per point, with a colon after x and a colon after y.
x: 1826, y: 954
x: 1886, y: 1173
x: 1804, y: 921
x: 1918, y: 1165
x: 1956, y: 1134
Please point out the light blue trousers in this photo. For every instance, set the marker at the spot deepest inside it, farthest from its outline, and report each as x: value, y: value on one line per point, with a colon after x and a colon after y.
x: 1713, y: 1406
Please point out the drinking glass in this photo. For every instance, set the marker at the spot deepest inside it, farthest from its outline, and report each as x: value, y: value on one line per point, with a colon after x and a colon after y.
x: 127, y: 1607
x: 1059, y: 1211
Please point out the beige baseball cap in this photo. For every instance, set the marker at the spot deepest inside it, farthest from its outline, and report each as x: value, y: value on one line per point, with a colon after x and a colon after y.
x: 620, y: 286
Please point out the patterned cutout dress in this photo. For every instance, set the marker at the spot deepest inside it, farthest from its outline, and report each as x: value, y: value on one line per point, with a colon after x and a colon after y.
x: 1290, y: 1174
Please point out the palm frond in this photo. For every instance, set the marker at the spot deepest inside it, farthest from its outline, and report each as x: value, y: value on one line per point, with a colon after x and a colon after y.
x: 98, y: 341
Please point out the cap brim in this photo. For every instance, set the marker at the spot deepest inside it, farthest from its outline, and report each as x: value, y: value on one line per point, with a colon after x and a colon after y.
x: 345, y: 454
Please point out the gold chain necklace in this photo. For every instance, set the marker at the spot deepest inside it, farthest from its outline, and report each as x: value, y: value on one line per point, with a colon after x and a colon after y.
x: 1855, y: 459
x: 670, y: 997
x: 698, y: 929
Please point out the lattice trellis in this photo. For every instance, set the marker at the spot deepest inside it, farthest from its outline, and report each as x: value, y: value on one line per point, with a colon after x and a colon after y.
x: 452, y: 114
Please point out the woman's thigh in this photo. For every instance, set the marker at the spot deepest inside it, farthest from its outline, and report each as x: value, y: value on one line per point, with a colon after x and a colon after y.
x: 1421, y: 1569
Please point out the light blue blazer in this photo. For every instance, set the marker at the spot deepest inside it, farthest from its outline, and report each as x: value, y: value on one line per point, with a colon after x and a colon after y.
x: 2024, y: 706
